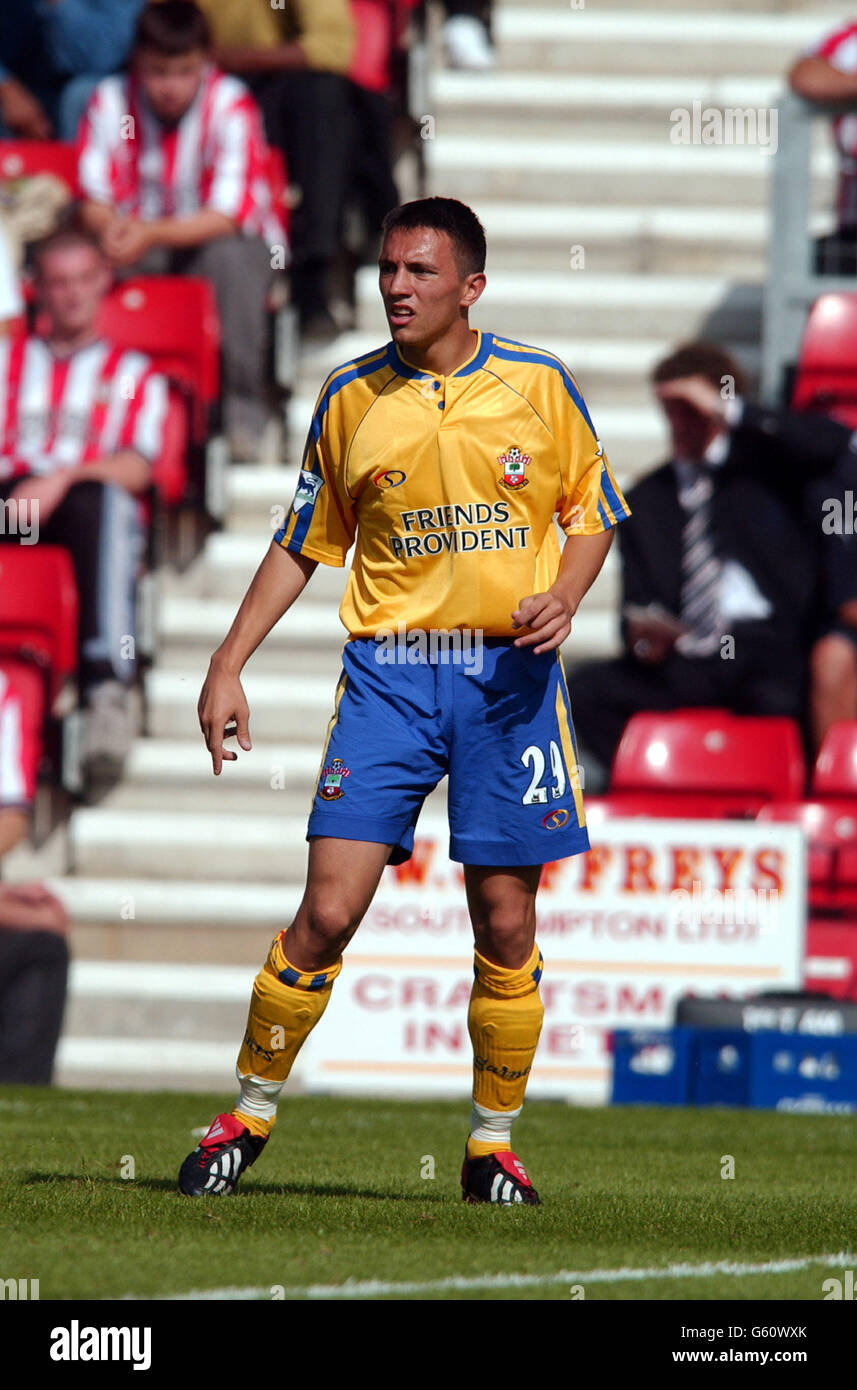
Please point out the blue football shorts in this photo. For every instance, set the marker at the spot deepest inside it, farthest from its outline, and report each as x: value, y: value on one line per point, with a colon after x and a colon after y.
x: 496, y: 718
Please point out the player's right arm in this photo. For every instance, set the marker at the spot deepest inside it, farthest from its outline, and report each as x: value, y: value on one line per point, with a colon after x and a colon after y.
x: 223, y: 709
x: 319, y: 527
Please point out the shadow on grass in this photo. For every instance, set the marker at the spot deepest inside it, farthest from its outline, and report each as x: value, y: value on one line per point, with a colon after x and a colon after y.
x: 265, y: 1189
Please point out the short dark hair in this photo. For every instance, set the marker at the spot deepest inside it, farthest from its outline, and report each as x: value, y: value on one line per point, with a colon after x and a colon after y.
x: 460, y: 223
x: 173, y: 29
x: 68, y: 234
x: 701, y: 359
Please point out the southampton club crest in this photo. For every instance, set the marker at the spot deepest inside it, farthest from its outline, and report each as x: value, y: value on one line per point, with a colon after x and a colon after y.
x: 513, y: 463
x: 331, y: 788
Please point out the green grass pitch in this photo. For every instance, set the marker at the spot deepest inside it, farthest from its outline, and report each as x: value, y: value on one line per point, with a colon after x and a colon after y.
x: 338, y: 1195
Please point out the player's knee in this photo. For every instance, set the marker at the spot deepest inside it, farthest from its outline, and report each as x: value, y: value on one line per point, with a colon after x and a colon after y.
x: 330, y: 922
x: 505, y: 934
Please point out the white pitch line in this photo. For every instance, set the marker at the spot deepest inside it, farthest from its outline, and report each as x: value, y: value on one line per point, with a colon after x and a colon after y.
x: 374, y: 1288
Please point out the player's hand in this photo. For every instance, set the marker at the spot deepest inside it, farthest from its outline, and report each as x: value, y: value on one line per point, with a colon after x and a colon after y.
x: 549, y: 619
x: 223, y: 712
x: 650, y: 641
x: 696, y: 392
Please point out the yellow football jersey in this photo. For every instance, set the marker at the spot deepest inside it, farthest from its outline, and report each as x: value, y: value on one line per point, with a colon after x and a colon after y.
x: 450, y: 485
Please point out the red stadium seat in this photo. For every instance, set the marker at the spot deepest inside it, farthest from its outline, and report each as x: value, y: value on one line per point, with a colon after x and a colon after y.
x: 279, y: 181
x: 23, y: 158
x: 826, y: 377
x: 169, y: 474
x: 835, y: 771
x: 173, y: 319
x: 831, y: 833
x: 38, y: 610
x: 698, y: 758
x: 28, y: 682
x: 831, y: 957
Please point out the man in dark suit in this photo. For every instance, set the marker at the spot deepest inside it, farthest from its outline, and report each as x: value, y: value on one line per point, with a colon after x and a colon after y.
x: 722, y: 585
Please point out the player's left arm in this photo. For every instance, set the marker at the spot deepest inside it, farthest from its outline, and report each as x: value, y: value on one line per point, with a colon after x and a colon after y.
x: 588, y: 509
x: 549, y: 615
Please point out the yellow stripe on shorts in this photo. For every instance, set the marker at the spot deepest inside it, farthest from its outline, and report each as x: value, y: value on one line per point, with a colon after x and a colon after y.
x: 562, y: 717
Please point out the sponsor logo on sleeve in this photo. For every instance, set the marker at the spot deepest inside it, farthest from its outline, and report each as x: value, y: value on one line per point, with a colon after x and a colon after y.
x: 309, y: 486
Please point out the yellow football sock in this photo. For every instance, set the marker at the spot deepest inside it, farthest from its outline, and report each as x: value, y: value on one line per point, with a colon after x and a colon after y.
x: 504, y: 1021
x: 254, y: 1124
x: 285, y: 1007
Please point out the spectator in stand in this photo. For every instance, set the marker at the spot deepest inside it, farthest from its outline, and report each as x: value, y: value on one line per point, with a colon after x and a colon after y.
x: 11, y: 302
x: 174, y: 170
x: 33, y: 980
x: 82, y: 429
x: 379, y: 28
x: 721, y: 558
x: 295, y: 57
x: 827, y: 72
x: 833, y: 659
x: 18, y: 757
x: 33, y: 948
x: 467, y: 35
x: 52, y: 53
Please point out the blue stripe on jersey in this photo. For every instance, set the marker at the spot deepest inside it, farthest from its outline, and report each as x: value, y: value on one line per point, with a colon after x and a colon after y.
x: 486, y: 347
x: 400, y: 366
x: 398, y: 363
x: 348, y: 372
x: 360, y: 367
x: 531, y: 354
x: 606, y: 522
x: 611, y: 495
x: 305, y: 515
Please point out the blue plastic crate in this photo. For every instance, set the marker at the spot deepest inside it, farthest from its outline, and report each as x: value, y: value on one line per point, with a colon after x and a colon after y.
x: 651, y: 1066
x: 802, y: 1072
x: 727, y: 1066
x: 721, y: 1066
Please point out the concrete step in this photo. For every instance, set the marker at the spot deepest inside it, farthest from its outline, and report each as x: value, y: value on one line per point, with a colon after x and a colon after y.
x: 213, y: 845
x: 148, y: 1064
x: 492, y: 166
x: 825, y: 11
x: 599, y: 40
x: 579, y: 93
x: 152, y: 919
x: 210, y: 845
x: 281, y: 704
x: 600, y: 106
x: 229, y: 561
x: 171, y: 1002
x: 272, y: 779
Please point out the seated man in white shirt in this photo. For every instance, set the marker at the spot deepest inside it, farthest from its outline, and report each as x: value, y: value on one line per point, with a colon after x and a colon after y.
x: 80, y: 429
